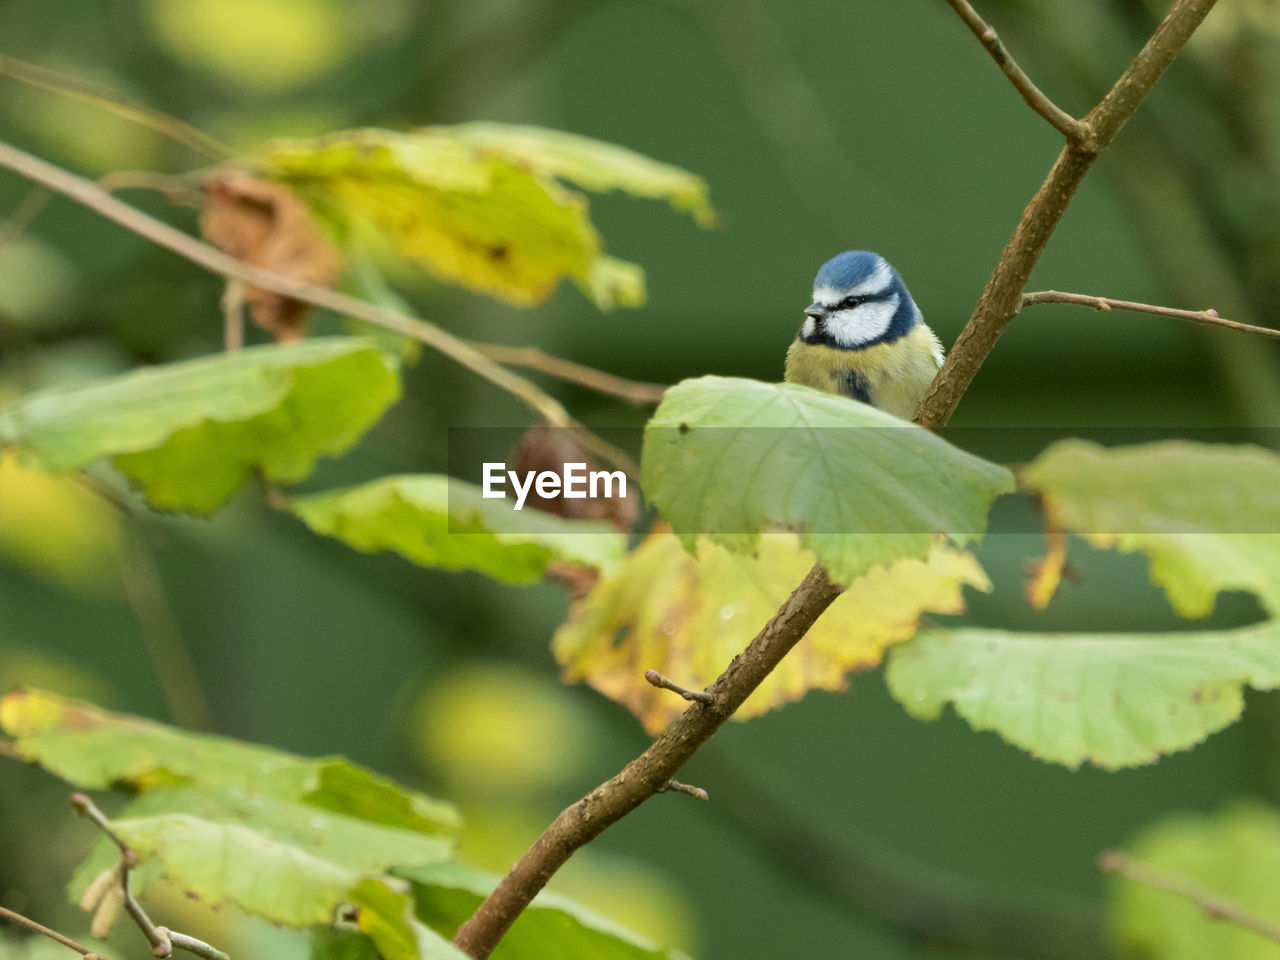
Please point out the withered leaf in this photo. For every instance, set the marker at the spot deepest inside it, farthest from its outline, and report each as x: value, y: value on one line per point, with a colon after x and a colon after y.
x: 265, y: 224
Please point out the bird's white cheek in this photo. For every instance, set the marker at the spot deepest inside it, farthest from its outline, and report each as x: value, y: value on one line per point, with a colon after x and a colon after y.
x: 862, y: 324
x: 807, y: 328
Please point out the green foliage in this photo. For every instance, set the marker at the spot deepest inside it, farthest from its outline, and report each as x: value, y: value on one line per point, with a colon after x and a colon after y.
x: 437, y: 521
x: 189, y: 433
x: 286, y: 862
x: 1234, y: 854
x: 287, y: 838
x: 732, y: 458
x: 483, y: 205
x: 592, y: 165
x: 552, y: 927
x: 281, y: 836
x: 1188, y: 506
x: 95, y: 750
x: 1113, y: 700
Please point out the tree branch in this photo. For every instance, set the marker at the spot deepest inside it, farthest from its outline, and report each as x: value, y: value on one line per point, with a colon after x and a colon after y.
x: 1002, y: 298
x: 1214, y: 905
x: 1076, y: 131
x: 1209, y: 317
x: 632, y: 391
x: 46, y: 932
x: 89, y: 194
x: 650, y: 772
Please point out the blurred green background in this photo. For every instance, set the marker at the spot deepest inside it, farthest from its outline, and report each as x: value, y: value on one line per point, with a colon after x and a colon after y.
x: 838, y: 826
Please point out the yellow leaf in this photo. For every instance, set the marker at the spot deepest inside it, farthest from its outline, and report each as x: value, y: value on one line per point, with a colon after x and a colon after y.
x: 471, y: 218
x: 687, y: 617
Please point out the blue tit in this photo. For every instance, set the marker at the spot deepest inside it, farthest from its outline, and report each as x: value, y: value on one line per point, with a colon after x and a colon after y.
x: 863, y: 336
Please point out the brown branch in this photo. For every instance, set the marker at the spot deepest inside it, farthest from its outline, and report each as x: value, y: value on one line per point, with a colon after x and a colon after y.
x: 1214, y: 905
x: 1076, y: 131
x: 1002, y: 298
x: 46, y: 932
x: 650, y: 772
x: 534, y: 358
x: 89, y: 194
x: 1209, y: 317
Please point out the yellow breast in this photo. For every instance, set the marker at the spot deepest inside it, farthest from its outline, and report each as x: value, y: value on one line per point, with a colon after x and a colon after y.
x: 896, y: 375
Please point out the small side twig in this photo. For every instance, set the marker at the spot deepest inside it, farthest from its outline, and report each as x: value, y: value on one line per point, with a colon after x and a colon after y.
x: 44, y: 931
x: 662, y: 683
x: 1077, y: 131
x: 24, y: 214
x: 1214, y: 905
x: 1209, y: 317
x: 534, y: 358
x: 162, y: 939
x: 233, y: 315
x: 675, y: 786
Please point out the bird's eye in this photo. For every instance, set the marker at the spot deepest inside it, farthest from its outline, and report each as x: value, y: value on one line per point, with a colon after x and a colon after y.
x: 849, y: 302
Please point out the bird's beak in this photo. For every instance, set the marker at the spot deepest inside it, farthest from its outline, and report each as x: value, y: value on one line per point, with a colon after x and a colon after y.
x: 816, y: 311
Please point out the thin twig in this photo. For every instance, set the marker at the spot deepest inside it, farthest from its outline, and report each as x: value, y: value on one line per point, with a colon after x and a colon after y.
x: 1002, y: 297
x: 95, y: 198
x: 45, y: 931
x: 651, y: 771
x: 1214, y: 905
x: 1076, y: 131
x: 1209, y: 317
x: 534, y: 358
x: 179, y: 680
x: 24, y: 214
x: 161, y: 939
x: 140, y: 113
x: 233, y: 315
x: 662, y: 683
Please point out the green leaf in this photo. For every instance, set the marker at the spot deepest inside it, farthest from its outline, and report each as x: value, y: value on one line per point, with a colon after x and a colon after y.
x: 1188, y: 506
x: 385, y: 914
x: 552, y: 926
x: 732, y: 458
x: 437, y: 521
x: 1113, y: 700
x: 482, y: 206
x: 593, y: 165
x: 286, y: 862
x: 1234, y: 853
x: 95, y: 749
x: 189, y: 433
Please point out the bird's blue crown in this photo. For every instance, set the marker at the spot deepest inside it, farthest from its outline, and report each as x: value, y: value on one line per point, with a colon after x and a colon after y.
x: 850, y: 268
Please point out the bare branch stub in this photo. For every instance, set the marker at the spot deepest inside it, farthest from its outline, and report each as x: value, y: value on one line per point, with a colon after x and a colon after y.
x: 654, y: 678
